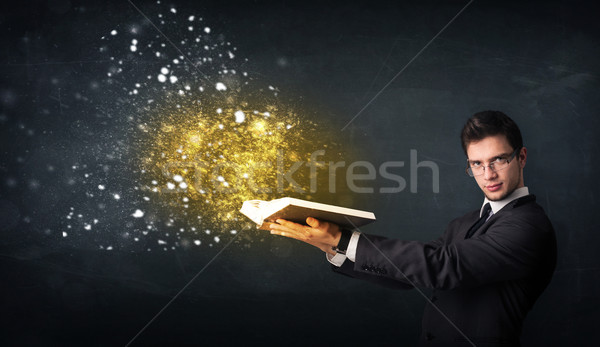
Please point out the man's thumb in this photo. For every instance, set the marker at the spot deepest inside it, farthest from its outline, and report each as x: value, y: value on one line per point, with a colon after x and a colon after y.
x: 312, y: 222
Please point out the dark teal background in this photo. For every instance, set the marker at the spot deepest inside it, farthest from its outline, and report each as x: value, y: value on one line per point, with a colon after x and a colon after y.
x: 535, y: 61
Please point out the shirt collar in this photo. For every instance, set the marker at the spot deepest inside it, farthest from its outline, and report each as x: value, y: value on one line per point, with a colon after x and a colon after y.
x: 498, y: 205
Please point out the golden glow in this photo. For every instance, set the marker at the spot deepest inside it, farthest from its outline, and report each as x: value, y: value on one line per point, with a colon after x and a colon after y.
x: 199, y: 163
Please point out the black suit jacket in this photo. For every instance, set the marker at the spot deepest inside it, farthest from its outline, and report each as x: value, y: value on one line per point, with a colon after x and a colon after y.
x: 484, y: 285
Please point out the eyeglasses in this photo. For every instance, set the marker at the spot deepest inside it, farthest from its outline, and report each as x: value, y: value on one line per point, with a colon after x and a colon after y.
x: 478, y: 169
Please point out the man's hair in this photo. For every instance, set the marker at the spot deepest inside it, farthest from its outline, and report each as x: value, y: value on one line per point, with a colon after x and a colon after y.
x: 490, y: 123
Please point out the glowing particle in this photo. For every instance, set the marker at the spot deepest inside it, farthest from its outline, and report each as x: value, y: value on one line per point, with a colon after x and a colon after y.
x: 221, y: 126
x: 201, y: 88
x: 134, y: 42
x: 176, y: 61
x: 173, y: 79
x: 239, y: 116
x: 191, y: 18
x: 109, y: 248
x: 207, y: 30
x: 173, y: 10
x: 161, y: 242
x: 183, y: 185
x: 154, y: 182
x: 197, y: 242
x: 116, y: 196
x: 157, y: 54
x: 181, y: 92
x: 64, y: 234
x: 185, y: 199
x: 113, y: 33
x: 101, y: 187
x: 191, y: 28
x: 162, y: 78
x: 87, y: 227
x: 220, y: 86
x: 170, y: 185
x: 289, y: 126
x: 233, y: 232
x: 177, y: 178
x: 231, y: 56
x: 146, y: 198
x: 220, y: 179
x: 133, y: 48
x: 217, y: 239
x: 219, y: 110
x: 164, y: 70
x: 138, y: 214
x: 207, y: 231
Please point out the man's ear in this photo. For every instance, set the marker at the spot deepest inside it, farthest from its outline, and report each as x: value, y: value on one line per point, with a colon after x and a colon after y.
x: 523, y: 157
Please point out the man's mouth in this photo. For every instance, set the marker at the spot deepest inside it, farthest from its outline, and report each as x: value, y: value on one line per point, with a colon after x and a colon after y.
x: 493, y: 187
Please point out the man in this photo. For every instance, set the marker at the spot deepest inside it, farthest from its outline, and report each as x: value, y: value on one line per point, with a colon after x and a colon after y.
x: 486, y: 270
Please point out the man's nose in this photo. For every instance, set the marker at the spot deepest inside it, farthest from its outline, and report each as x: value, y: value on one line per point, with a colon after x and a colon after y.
x: 489, y: 174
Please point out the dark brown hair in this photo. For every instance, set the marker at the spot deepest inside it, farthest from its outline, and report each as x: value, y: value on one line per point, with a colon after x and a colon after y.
x: 490, y: 123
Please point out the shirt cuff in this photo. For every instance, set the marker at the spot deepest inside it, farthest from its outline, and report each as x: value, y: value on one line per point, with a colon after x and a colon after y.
x: 352, y: 246
x: 337, y: 259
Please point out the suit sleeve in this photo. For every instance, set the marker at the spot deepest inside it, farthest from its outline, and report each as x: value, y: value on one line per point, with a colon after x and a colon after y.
x: 511, y: 248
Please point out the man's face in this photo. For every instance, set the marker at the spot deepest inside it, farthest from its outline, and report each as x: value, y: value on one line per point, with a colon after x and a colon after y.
x: 497, y: 185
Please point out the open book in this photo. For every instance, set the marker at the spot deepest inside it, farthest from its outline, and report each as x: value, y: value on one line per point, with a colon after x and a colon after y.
x: 296, y: 210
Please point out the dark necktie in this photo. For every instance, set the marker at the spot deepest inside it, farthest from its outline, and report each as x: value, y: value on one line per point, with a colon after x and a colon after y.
x: 484, y: 216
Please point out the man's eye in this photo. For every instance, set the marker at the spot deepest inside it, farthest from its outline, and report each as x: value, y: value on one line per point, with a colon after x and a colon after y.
x: 475, y: 164
x: 498, y: 160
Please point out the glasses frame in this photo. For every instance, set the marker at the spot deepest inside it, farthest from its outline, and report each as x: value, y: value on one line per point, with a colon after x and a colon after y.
x: 469, y: 171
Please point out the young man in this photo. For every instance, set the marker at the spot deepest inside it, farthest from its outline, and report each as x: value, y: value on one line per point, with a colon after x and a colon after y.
x: 489, y: 266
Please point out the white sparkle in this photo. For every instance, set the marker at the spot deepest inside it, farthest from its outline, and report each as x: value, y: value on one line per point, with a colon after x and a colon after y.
x: 220, y: 86
x: 138, y: 214
x: 239, y: 116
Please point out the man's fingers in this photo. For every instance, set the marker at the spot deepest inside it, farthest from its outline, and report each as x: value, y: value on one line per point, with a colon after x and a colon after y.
x: 290, y: 225
x: 283, y: 230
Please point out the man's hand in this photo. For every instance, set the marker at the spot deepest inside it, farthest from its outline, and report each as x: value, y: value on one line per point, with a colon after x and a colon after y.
x: 323, y: 235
